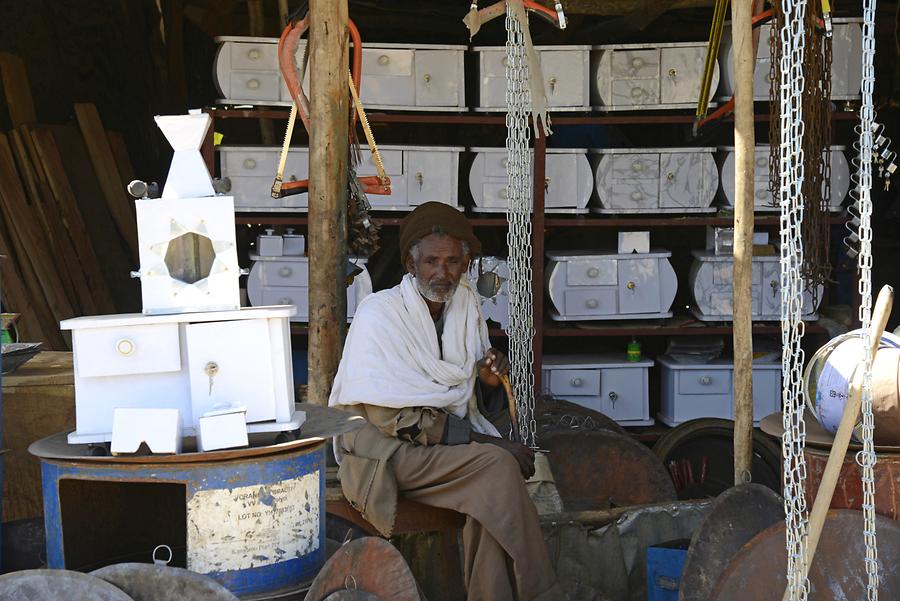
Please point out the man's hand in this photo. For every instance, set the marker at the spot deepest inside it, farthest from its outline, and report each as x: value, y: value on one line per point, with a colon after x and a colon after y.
x: 523, y: 455
x: 493, y: 365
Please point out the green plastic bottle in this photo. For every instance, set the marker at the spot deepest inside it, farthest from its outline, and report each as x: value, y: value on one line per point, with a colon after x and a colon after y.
x: 633, y: 350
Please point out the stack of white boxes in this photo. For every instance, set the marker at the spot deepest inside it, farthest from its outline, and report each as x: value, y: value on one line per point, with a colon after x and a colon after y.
x: 194, y: 363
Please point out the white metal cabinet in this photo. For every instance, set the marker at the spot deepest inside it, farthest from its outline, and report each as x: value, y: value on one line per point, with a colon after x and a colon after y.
x: 585, y: 285
x: 647, y: 76
x: 763, y: 199
x: 285, y: 281
x: 605, y: 383
x: 567, y: 180
x: 160, y: 361
x: 418, y: 174
x: 694, y: 390
x: 394, y: 76
x: 710, y: 281
x: 654, y: 180
x: 846, y: 61
x: 565, y: 70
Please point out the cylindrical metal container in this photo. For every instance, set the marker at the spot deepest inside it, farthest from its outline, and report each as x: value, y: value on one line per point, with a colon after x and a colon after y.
x: 848, y: 492
x: 253, y: 522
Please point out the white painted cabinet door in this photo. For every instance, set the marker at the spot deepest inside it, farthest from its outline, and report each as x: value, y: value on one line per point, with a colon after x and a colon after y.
x: 684, y: 180
x: 622, y: 393
x: 430, y: 177
x: 238, y: 353
x: 564, y: 81
x: 561, y: 181
x: 437, y: 78
x: 639, y: 285
x: 680, y: 72
x: 770, y: 288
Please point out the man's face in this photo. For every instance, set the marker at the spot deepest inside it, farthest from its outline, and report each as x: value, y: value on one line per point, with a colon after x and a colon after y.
x: 439, y: 264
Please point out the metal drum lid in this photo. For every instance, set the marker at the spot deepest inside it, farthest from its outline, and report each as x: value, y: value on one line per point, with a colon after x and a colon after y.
x: 42, y: 585
x: 153, y: 582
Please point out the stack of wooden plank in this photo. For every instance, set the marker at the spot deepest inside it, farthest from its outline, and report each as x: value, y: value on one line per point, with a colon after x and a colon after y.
x: 67, y: 226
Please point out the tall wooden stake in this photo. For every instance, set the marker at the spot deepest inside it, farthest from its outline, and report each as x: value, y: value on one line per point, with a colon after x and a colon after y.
x: 328, y: 155
x: 744, y: 143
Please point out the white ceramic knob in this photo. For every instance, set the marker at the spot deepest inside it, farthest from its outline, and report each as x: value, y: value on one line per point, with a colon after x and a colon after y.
x: 504, y: 193
x: 504, y: 162
x: 593, y: 272
x: 253, y: 54
x: 704, y: 380
x: 637, y: 92
x: 637, y: 166
x: 592, y: 303
x: 249, y: 163
x: 576, y: 382
x: 253, y: 84
x: 762, y: 162
x: 285, y: 271
x: 383, y: 59
x: 762, y: 194
x: 637, y: 62
x: 125, y: 347
x: 636, y: 195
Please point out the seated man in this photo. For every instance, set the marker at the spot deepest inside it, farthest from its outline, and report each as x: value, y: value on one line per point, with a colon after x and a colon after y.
x: 418, y: 365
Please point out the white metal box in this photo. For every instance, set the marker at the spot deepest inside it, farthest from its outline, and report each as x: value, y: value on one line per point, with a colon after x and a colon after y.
x: 394, y: 76
x: 567, y: 180
x: 193, y: 362
x: 606, y: 383
x: 565, y: 70
x: 654, y: 180
x: 285, y: 281
x: 694, y: 390
x: 418, y: 174
x: 586, y: 285
x: 647, y: 76
x: 711, y: 278
x: 763, y: 198
x: 846, y: 61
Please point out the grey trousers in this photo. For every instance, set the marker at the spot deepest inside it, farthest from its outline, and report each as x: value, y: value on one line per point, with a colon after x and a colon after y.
x: 504, y: 554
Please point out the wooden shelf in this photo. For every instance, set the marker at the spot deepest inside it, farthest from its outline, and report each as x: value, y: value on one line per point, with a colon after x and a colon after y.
x: 302, y: 329
x: 674, y: 326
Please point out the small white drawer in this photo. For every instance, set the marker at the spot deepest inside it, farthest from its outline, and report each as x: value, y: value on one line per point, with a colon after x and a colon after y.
x: 287, y: 295
x: 578, y: 382
x: 249, y: 162
x: 493, y: 63
x: 140, y: 349
x: 705, y: 382
x: 392, y: 160
x: 591, y: 301
x: 439, y: 78
x: 253, y: 56
x: 635, y: 91
x: 386, y: 61
x: 595, y: 272
x: 633, y: 64
x: 254, y: 85
x: 635, y: 166
x: 285, y: 273
x: 256, y: 192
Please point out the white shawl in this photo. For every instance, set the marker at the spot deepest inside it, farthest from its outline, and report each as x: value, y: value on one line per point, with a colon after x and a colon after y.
x: 392, y: 358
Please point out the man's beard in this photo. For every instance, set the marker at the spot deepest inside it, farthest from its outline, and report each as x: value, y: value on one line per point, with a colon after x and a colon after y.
x: 435, y: 296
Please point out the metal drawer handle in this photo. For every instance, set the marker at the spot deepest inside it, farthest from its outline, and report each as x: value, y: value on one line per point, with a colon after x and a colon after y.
x: 673, y: 72
x: 427, y: 78
x: 285, y: 271
x: 593, y: 272
x: 704, y: 380
x: 552, y: 83
x: 546, y: 184
x: 592, y: 303
x: 253, y: 54
x: 125, y: 347
x: 637, y: 92
x: 383, y: 59
x: 249, y: 164
x: 576, y: 382
x: 670, y: 176
x: 631, y: 285
x: 637, y: 166
x: 613, y: 397
x: 637, y: 62
x: 253, y: 84
x: 420, y: 178
x: 636, y: 195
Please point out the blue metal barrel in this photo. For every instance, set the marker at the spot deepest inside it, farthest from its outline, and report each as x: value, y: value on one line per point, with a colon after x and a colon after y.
x: 256, y: 524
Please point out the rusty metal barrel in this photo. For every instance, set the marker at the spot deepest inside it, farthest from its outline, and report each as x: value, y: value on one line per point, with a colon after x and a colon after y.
x: 848, y: 492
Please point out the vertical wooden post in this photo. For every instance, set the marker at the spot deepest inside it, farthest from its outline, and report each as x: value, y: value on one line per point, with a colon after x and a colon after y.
x: 328, y: 155
x: 744, y: 143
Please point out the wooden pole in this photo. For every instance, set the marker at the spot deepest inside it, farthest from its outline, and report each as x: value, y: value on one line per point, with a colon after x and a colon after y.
x: 328, y: 155
x: 880, y: 315
x: 744, y: 146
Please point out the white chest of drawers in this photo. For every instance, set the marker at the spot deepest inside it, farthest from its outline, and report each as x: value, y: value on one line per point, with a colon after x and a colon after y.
x: 394, y: 76
x: 193, y: 362
x: 763, y: 199
x: 565, y: 71
x: 655, y: 180
x: 711, y: 278
x: 567, y: 182
x: 647, y: 76
x: 418, y: 174
x: 285, y: 281
x: 846, y: 61
x: 606, y: 383
x: 694, y: 390
x: 585, y: 285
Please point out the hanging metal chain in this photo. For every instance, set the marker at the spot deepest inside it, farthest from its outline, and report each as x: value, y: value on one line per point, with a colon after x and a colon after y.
x: 791, y: 170
x: 519, y: 195
x: 866, y: 458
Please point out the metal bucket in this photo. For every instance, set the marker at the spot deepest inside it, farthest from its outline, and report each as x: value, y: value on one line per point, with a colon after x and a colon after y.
x: 254, y: 524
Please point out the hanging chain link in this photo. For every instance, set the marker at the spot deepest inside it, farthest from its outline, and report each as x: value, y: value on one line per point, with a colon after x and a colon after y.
x: 866, y: 458
x: 519, y: 196
x: 791, y: 171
